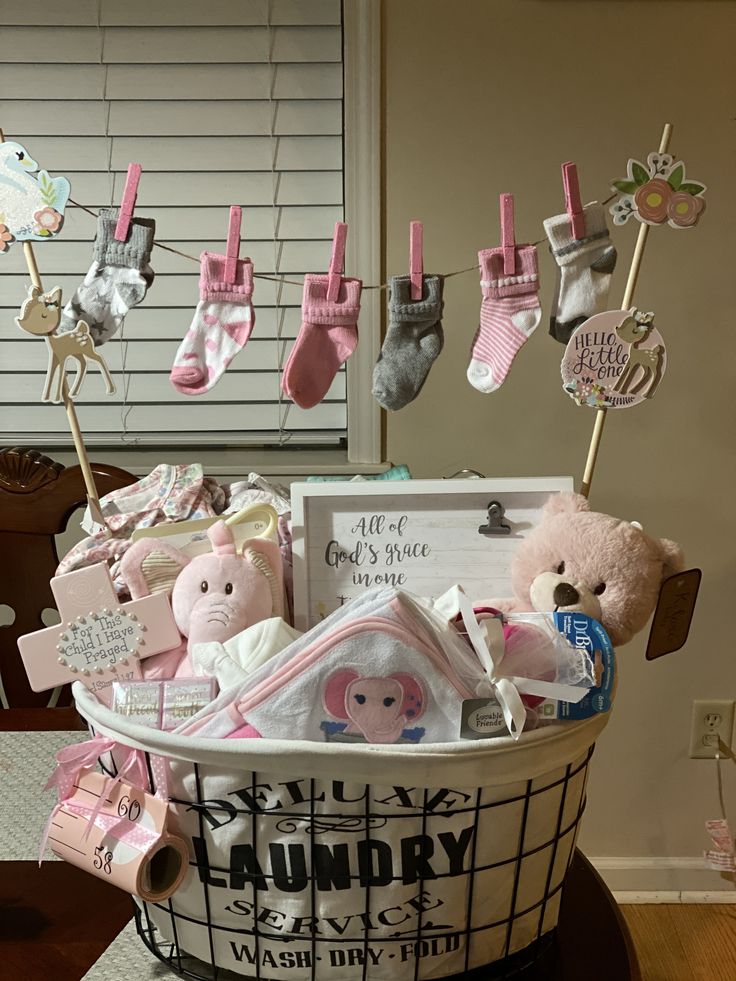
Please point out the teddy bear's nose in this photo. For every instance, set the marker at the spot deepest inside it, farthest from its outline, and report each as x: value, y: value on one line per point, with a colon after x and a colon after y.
x: 565, y: 594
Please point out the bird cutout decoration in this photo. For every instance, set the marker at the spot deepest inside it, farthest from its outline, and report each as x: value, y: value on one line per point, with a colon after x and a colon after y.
x: 31, y: 202
x: 40, y: 316
x: 657, y: 193
x: 614, y: 360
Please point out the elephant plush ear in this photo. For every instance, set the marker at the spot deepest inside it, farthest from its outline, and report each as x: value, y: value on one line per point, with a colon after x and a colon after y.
x: 265, y: 556
x: 150, y: 566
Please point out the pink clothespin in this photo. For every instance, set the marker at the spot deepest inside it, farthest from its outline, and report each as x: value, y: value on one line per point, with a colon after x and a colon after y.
x: 233, y: 243
x: 337, y: 261
x: 573, y: 204
x: 127, y: 205
x: 508, y: 239
x: 416, y: 258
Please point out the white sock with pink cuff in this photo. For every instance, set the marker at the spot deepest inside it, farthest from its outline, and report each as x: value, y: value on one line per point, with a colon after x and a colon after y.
x: 509, y: 315
x: 221, y: 326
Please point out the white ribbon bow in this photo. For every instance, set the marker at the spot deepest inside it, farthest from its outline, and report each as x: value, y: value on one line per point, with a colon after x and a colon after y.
x: 487, y: 641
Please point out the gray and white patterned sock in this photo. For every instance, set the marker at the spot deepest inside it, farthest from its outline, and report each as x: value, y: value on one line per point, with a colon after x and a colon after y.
x: 413, y: 341
x: 117, y: 280
x: 584, y: 272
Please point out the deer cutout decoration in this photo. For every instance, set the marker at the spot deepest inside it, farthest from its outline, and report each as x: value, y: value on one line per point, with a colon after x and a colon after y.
x: 634, y: 330
x: 40, y: 316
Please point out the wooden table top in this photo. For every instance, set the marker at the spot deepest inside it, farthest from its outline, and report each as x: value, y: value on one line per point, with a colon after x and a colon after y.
x: 56, y: 921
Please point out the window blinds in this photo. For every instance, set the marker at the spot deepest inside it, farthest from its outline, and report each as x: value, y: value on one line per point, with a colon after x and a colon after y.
x: 222, y: 103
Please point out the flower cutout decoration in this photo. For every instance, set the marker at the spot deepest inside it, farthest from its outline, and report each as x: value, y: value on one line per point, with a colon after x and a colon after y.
x: 47, y: 221
x: 587, y: 392
x: 684, y: 210
x: 6, y: 238
x: 652, y: 200
x: 658, y: 193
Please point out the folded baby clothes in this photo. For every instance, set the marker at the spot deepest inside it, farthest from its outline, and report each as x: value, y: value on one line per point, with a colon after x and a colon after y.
x: 256, y: 490
x: 374, y: 671
x: 169, y: 493
x: 231, y: 662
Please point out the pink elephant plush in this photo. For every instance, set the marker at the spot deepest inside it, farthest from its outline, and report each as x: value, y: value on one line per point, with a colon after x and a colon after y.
x: 213, y: 596
x: 578, y: 560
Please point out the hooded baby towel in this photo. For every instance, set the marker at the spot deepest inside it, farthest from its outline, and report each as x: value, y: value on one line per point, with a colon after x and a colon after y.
x: 375, y: 671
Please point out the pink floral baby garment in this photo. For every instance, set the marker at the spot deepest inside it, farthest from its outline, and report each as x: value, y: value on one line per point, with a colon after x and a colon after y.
x: 169, y: 493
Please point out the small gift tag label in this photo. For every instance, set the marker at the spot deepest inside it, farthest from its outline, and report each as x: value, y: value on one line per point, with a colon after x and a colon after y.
x: 482, y: 718
x: 720, y: 834
x: 720, y: 861
x: 674, y: 613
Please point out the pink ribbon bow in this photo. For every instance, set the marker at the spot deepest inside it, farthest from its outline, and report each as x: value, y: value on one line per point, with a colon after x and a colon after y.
x: 71, y: 760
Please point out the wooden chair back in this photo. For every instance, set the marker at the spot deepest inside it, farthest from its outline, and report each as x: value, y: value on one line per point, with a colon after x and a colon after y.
x: 37, y: 498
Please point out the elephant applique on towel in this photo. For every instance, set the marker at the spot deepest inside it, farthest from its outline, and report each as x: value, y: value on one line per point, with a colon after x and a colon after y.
x: 380, y: 710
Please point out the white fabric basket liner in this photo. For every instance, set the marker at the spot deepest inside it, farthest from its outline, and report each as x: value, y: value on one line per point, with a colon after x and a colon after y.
x: 367, y: 862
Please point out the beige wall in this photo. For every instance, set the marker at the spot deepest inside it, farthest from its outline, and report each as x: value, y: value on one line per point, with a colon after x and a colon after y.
x: 487, y: 96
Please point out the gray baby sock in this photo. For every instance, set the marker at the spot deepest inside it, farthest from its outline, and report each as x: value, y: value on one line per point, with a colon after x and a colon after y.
x: 413, y: 340
x: 117, y: 280
x: 584, y: 270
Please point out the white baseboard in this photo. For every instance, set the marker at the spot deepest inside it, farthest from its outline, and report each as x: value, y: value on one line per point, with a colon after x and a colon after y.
x: 656, y: 898
x: 638, y: 879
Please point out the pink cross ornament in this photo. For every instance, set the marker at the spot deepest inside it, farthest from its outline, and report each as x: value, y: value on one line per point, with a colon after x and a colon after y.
x: 99, y: 639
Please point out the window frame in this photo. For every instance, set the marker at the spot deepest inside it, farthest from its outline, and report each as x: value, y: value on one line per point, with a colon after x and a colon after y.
x: 361, y: 31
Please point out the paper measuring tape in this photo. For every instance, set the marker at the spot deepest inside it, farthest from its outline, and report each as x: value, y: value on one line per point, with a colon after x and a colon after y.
x: 119, y: 834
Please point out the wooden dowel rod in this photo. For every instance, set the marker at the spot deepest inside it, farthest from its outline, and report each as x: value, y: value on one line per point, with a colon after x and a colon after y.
x: 71, y: 413
x: 93, y: 499
x: 32, y: 267
x: 600, y: 416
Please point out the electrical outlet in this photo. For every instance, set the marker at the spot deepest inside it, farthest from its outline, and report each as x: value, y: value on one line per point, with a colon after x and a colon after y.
x: 712, y: 719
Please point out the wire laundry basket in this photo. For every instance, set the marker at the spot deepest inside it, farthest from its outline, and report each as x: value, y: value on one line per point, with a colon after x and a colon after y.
x: 366, y: 863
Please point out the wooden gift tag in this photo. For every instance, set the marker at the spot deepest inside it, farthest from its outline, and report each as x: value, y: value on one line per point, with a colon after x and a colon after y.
x: 674, y: 613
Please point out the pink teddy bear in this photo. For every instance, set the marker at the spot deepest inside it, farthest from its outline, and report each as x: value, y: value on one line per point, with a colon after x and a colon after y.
x: 579, y: 560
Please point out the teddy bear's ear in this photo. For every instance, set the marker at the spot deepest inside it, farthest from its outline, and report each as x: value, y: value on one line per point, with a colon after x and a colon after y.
x: 150, y: 566
x: 673, y: 560
x: 565, y: 502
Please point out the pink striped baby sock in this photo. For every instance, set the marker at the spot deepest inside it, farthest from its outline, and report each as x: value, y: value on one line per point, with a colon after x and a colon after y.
x: 327, y: 337
x: 509, y: 315
x: 222, y: 324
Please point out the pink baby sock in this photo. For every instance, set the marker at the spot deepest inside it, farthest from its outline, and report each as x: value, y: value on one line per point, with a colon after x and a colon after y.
x: 327, y: 337
x: 222, y: 324
x: 509, y: 315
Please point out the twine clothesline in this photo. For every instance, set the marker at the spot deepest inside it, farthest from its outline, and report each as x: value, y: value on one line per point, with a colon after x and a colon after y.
x: 292, y: 282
